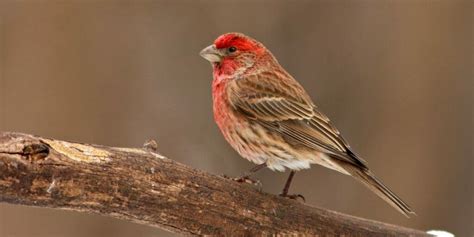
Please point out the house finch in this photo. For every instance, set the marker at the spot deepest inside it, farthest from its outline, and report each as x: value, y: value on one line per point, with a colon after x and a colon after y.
x: 269, y: 119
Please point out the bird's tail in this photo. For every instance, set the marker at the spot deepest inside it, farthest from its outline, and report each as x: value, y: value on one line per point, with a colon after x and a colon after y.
x: 374, y: 184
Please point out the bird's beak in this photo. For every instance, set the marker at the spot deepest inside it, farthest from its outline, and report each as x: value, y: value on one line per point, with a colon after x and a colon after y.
x: 211, y: 54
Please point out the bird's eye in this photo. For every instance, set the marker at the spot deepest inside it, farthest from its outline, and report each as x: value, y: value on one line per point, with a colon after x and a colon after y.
x: 232, y: 49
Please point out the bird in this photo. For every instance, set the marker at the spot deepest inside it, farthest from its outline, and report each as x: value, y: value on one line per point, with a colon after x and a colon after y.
x: 270, y: 120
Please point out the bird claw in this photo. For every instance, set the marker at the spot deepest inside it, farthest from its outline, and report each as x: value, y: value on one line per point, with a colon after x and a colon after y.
x: 245, y: 179
x: 293, y: 196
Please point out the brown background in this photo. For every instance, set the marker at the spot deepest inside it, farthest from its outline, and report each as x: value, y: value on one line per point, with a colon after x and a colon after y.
x: 395, y: 77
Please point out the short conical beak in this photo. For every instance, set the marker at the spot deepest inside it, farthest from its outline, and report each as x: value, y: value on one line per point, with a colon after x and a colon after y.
x: 211, y: 54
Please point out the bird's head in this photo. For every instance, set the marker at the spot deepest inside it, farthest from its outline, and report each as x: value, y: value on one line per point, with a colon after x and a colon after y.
x: 232, y: 52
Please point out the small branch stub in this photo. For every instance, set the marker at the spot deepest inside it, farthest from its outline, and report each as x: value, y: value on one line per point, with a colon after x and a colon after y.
x: 141, y: 186
x: 151, y: 145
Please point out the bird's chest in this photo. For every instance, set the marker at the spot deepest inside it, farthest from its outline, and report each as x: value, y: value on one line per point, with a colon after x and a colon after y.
x: 224, y: 114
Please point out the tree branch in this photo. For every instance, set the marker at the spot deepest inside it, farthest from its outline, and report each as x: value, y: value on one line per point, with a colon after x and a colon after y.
x: 142, y: 186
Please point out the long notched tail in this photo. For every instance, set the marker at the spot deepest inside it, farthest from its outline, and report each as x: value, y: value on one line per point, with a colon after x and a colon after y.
x: 374, y: 184
x: 382, y: 191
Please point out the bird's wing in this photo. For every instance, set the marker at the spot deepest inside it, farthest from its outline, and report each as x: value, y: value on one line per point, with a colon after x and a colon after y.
x: 278, y: 102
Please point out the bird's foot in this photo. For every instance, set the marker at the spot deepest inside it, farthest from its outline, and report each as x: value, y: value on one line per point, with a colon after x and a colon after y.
x: 245, y: 179
x: 293, y: 196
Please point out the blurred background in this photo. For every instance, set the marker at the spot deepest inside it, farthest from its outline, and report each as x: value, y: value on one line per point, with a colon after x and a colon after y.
x: 396, y: 77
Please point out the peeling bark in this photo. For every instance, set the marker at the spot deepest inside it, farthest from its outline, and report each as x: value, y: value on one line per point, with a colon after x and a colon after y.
x: 142, y: 186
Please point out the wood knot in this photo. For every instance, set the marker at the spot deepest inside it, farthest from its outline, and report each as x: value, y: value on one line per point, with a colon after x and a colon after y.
x: 37, y: 151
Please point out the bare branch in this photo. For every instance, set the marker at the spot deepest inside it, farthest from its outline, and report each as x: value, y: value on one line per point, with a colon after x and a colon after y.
x: 142, y: 186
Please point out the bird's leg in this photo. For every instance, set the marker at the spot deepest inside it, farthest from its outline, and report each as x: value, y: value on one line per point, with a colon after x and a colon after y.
x: 288, y: 183
x: 246, y: 177
x: 284, y: 193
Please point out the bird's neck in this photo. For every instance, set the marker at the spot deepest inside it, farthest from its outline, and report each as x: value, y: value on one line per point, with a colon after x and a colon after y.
x: 221, y: 106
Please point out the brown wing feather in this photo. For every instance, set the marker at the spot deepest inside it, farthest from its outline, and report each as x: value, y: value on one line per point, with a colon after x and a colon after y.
x: 279, y: 103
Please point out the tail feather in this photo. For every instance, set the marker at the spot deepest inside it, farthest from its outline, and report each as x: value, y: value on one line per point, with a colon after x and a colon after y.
x: 374, y: 184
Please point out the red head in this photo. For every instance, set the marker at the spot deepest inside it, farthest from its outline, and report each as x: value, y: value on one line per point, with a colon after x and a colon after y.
x: 233, y: 51
x: 239, y: 41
